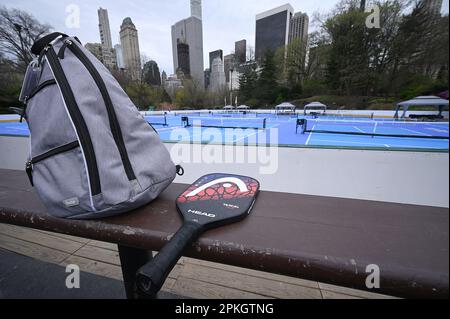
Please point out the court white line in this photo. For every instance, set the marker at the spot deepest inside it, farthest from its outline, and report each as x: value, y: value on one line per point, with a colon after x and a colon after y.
x: 413, y: 131
x: 242, y: 138
x: 16, y: 128
x: 256, y: 133
x: 394, y: 123
x: 361, y: 143
x: 310, y: 135
x: 436, y: 130
x: 168, y: 128
x: 355, y: 127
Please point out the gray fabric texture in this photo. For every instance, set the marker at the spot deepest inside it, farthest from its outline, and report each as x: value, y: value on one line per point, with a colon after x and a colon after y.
x: 62, y: 180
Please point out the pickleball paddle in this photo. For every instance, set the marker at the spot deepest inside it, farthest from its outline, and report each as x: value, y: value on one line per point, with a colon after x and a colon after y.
x: 212, y: 201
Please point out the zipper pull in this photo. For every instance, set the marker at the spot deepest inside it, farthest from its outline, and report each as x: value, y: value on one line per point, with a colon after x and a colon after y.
x: 63, y: 48
x: 22, y: 116
x: 29, y: 170
x: 41, y: 56
x: 180, y: 170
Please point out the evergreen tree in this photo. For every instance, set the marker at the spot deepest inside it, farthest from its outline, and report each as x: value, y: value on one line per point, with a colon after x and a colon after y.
x: 151, y: 73
x: 247, y: 83
x: 349, y: 61
x: 165, y: 97
x: 267, y: 86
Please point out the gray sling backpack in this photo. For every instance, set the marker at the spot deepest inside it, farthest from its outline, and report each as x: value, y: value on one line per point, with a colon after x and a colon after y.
x: 92, y: 153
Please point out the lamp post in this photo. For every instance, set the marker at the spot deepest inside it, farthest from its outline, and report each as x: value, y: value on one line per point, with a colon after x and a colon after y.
x: 24, y: 54
x: 19, y: 29
x: 231, y: 85
x: 363, y: 5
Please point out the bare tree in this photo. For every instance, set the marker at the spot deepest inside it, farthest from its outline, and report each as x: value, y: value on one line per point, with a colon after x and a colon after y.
x: 18, y: 31
x: 194, y: 93
x: 122, y: 77
x: 317, y: 55
x: 144, y: 59
x: 10, y: 83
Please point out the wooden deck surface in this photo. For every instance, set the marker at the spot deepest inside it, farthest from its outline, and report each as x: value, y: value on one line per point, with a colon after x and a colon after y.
x: 190, y: 278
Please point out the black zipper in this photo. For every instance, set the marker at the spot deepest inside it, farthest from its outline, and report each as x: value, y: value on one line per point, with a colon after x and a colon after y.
x: 33, y: 93
x: 53, y: 152
x: 113, y: 122
x: 78, y: 121
x: 41, y: 87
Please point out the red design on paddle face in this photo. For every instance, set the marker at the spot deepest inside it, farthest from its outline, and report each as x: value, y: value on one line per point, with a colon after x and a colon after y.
x: 219, y: 191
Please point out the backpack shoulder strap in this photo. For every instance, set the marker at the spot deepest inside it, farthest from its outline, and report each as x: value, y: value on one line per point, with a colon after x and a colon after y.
x: 40, y: 44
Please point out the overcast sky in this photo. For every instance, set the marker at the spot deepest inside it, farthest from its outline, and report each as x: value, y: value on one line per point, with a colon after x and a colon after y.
x: 224, y: 21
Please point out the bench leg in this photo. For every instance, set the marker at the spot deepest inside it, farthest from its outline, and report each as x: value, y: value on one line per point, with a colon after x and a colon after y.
x: 131, y: 260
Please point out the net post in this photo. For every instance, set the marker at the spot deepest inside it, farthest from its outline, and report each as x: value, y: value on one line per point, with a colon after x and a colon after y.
x: 302, y: 123
x: 185, y: 121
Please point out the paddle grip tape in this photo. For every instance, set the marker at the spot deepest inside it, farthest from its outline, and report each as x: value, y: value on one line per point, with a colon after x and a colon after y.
x: 151, y: 276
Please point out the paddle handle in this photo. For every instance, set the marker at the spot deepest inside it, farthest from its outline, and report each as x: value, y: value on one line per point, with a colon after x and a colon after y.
x: 151, y: 276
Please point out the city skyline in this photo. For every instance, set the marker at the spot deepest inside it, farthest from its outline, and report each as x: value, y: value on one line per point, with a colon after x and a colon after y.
x: 154, y: 20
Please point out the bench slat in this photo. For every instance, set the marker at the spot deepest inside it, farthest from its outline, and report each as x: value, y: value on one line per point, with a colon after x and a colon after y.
x: 324, y: 239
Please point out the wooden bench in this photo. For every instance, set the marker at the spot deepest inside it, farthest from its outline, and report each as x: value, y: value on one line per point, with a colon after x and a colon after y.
x: 330, y: 240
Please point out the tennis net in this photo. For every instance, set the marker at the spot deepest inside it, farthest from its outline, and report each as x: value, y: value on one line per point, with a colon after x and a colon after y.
x: 430, y: 130
x: 234, y: 113
x: 276, y: 115
x: 225, y: 122
x: 189, y: 113
x: 157, y: 120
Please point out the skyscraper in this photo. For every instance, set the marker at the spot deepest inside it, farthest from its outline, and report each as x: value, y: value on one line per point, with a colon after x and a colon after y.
x: 229, y: 63
x: 240, y: 51
x: 272, y: 30
x: 196, y: 9
x: 217, y: 76
x: 172, y: 83
x: 233, y: 84
x: 95, y: 49
x: 104, y: 55
x: 183, y: 59
x: 163, y: 78
x: 130, y: 46
x: 119, y: 56
x: 190, y: 31
x: 207, y: 77
x: 109, y: 58
x: 108, y: 55
x: 298, y: 28
x: 213, y: 55
x: 105, y: 31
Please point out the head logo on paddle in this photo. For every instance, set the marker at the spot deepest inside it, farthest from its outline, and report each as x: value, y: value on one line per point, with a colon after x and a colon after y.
x: 212, y: 201
x: 218, y: 195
